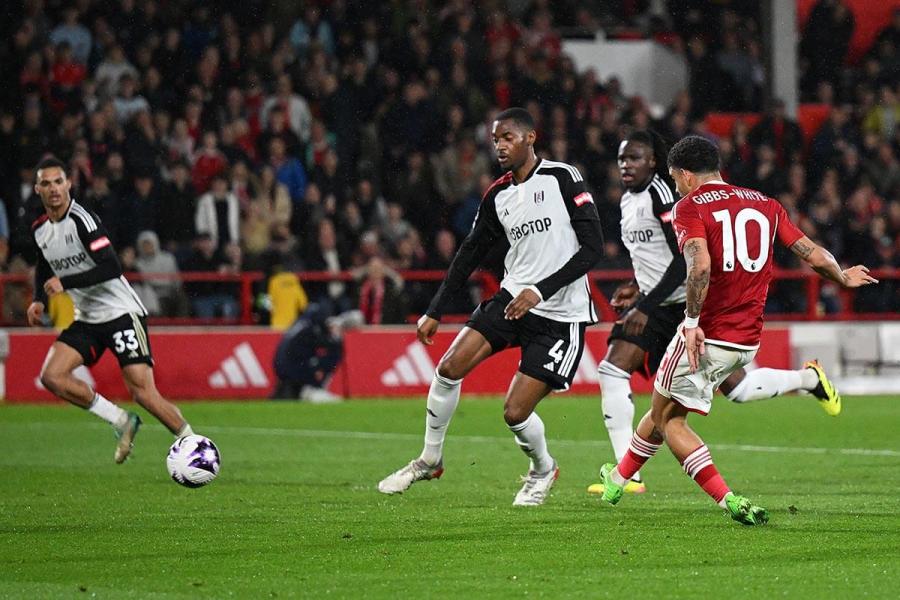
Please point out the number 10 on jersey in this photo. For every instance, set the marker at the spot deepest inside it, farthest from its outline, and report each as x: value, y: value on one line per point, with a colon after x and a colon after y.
x: 734, y: 239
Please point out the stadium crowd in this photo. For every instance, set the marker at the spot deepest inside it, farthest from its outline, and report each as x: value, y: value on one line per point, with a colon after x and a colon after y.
x: 335, y: 135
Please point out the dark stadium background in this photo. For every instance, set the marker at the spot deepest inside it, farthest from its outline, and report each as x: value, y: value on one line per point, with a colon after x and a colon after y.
x: 389, y: 127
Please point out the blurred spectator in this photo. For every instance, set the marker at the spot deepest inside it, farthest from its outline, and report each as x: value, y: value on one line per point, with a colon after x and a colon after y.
x: 210, y: 298
x: 287, y: 298
x: 268, y: 214
x: 218, y: 213
x: 177, y: 205
x: 380, y: 293
x: 309, y: 29
x: 127, y: 102
x: 780, y: 133
x: 110, y: 71
x: 439, y: 259
x: 293, y: 107
x: 76, y: 35
x: 327, y: 255
x: 151, y: 260
x: 458, y: 168
x: 208, y: 162
x: 146, y: 292
x: 825, y: 39
x: 288, y: 170
x: 140, y: 210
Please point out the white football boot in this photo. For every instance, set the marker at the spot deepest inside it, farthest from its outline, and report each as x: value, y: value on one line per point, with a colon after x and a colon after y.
x: 536, y: 487
x: 417, y: 470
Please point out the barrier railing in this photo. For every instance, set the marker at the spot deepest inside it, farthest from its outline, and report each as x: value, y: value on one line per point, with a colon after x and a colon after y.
x: 18, y: 288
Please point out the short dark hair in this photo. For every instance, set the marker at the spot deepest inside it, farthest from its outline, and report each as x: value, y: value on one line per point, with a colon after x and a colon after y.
x: 49, y: 162
x: 696, y: 154
x: 519, y: 116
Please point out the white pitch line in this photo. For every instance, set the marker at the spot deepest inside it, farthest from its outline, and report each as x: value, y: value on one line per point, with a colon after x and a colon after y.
x: 376, y: 435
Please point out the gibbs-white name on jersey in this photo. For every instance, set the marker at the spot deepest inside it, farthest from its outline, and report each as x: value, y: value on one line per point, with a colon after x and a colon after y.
x: 550, y: 228
x: 78, y: 251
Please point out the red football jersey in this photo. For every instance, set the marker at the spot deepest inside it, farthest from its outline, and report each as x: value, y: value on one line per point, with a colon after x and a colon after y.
x: 739, y: 226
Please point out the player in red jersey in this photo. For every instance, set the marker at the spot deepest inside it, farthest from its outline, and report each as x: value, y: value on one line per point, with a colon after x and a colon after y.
x: 726, y: 234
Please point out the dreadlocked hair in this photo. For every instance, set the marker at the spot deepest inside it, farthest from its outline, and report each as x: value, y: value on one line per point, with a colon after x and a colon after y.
x: 653, y: 140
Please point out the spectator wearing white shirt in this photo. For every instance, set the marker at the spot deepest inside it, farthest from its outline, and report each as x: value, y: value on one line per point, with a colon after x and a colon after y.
x: 218, y: 213
x: 128, y: 103
x: 293, y: 105
x: 109, y: 72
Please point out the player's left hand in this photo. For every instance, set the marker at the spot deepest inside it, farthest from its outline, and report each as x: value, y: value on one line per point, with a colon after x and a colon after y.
x: 694, y: 343
x: 521, y: 304
x: 858, y: 276
x: 634, y: 321
x: 53, y: 286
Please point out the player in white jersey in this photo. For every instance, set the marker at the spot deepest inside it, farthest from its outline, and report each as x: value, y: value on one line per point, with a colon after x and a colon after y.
x: 541, y: 212
x: 76, y: 256
x: 652, y: 305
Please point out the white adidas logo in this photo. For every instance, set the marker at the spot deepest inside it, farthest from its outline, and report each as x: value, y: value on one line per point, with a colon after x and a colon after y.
x: 240, y: 370
x: 414, y: 367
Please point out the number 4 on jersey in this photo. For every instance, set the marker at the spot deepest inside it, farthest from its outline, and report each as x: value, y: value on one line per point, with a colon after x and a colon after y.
x: 734, y: 239
x: 556, y: 354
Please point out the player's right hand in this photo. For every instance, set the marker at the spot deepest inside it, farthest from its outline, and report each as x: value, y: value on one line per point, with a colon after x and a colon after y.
x: 624, y: 296
x: 858, y: 276
x: 426, y: 328
x: 694, y: 343
x: 35, y: 313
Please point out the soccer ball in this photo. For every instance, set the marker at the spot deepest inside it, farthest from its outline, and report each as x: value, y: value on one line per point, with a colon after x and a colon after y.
x: 193, y: 461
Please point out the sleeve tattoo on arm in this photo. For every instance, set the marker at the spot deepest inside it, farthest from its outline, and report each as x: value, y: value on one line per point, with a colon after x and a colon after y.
x: 802, y: 249
x: 697, y: 281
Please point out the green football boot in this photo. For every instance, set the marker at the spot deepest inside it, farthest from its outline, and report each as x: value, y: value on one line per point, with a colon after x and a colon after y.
x: 612, y: 491
x: 745, y: 512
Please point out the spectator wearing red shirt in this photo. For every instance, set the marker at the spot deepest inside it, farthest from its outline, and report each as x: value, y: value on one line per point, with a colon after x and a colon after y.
x: 208, y: 162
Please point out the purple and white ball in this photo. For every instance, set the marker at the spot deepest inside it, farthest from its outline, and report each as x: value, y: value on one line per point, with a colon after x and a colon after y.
x: 193, y: 461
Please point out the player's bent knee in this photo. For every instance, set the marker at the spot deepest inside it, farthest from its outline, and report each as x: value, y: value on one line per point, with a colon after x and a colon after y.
x: 53, y: 381
x: 452, y: 367
x: 514, y: 415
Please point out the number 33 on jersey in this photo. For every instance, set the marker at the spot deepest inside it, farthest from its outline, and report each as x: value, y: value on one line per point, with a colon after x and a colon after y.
x: 739, y: 226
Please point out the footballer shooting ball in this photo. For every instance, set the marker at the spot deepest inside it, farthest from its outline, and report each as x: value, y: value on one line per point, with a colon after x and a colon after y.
x: 193, y: 461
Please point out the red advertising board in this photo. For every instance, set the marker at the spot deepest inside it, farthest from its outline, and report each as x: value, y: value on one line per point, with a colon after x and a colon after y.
x: 381, y: 362
x: 189, y: 363
x: 237, y: 363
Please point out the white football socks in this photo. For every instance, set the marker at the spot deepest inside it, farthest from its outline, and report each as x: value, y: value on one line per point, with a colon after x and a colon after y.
x: 530, y: 438
x: 443, y: 396
x: 184, y: 431
x: 108, y: 411
x: 767, y: 383
x: 618, y: 409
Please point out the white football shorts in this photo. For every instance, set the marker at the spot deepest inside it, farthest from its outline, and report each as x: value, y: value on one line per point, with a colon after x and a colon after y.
x: 695, y: 391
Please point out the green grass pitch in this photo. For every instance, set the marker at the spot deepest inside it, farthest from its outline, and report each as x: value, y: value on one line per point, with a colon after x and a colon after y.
x: 295, y: 513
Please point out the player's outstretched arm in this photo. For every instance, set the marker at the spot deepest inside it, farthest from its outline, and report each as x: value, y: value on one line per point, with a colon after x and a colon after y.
x: 824, y: 263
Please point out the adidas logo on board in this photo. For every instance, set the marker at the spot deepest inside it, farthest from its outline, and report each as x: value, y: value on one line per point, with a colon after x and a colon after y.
x: 240, y: 370
x: 413, y: 367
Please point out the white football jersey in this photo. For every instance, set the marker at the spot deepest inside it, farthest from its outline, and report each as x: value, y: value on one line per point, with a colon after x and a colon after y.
x: 78, y: 251
x: 646, y: 232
